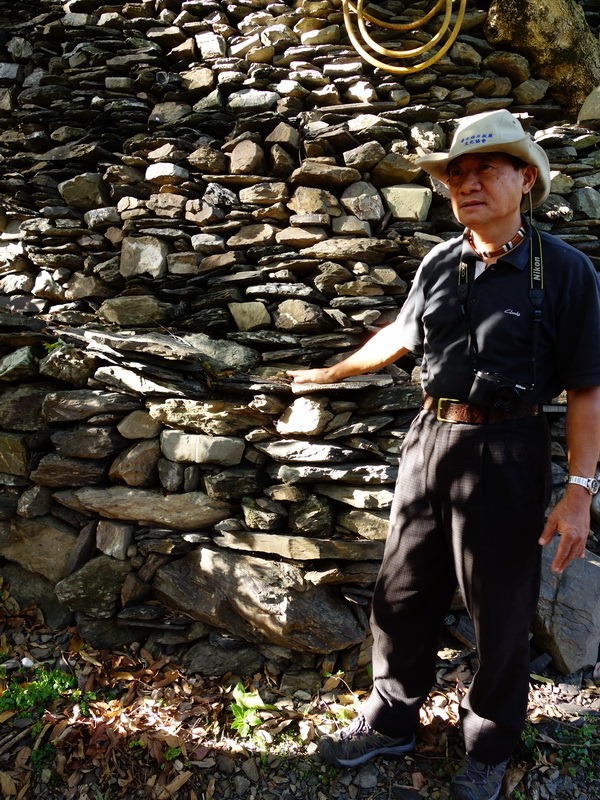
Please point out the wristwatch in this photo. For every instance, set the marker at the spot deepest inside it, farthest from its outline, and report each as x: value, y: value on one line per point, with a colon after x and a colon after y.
x: 591, y: 484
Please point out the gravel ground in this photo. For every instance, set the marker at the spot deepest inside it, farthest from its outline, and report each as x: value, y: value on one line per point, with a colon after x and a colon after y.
x: 134, y: 725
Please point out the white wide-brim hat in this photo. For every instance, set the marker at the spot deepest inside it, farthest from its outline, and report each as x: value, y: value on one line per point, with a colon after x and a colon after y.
x: 493, y: 131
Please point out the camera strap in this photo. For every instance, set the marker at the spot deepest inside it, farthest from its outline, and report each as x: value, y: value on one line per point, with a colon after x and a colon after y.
x: 536, y: 295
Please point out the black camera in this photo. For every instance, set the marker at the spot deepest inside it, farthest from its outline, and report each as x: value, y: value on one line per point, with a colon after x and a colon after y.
x: 497, y: 391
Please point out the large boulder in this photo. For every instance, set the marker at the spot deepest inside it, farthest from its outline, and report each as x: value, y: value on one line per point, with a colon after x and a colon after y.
x: 557, y: 41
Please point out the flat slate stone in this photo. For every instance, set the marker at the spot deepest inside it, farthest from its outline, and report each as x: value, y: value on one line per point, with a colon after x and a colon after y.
x: 301, y: 548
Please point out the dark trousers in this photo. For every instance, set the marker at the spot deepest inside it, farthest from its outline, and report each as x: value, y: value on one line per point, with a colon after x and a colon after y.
x: 468, y: 508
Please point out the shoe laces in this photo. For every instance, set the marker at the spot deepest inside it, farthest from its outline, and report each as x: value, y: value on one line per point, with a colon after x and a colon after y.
x: 357, y: 727
x: 483, y: 772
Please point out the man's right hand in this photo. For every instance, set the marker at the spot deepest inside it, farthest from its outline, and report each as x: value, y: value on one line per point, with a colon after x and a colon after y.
x: 379, y: 351
x: 322, y: 375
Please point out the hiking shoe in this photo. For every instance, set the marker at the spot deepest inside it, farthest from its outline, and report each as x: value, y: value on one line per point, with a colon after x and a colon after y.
x: 477, y: 781
x: 358, y: 743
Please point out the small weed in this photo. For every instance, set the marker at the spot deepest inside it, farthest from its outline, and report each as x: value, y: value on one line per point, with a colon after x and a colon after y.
x: 171, y: 753
x: 42, y: 757
x: 244, y: 710
x: 33, y: 696
x: 528, y: 742
x: 575, y: 747
x: 84, y: 699
x: 569, y: 747
x: 50, y: 346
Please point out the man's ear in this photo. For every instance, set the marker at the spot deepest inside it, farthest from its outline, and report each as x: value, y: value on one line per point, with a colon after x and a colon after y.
x: 530, y: 174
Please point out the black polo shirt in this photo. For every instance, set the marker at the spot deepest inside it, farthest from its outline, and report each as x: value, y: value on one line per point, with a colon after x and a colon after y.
x: 499, y: 316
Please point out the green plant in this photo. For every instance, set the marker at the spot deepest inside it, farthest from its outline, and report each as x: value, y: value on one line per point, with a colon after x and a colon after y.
x: 245, y: 708
x: 33, y: 696
x: 171, y: 753
x: 528, y: 742
x: 42, y: 757
x: 50, y: 346
x: 84, y: 699
x: 575, y: 746
x: 569, y: 746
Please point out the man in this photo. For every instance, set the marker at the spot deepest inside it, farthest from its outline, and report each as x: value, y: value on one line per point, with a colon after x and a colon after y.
x: 505, y: 318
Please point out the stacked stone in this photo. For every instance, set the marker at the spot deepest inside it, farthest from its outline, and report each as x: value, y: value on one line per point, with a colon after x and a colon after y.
x: 198, y: 196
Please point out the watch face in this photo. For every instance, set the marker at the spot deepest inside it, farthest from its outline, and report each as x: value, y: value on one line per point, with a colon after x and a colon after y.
x: 594, y: 485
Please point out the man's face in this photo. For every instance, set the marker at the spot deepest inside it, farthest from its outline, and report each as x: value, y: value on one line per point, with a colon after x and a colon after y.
x: 487, y: 188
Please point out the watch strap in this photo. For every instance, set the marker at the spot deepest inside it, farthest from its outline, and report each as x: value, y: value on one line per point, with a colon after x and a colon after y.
x: 591, y: 484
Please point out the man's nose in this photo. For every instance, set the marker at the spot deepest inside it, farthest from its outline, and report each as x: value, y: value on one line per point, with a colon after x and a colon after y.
x: 470, y: 180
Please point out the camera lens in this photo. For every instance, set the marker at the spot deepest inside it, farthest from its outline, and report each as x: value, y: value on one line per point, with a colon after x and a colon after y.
x: 506, y: 398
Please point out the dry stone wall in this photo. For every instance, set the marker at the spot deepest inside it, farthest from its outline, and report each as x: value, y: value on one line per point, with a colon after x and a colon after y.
x: 196, y: 197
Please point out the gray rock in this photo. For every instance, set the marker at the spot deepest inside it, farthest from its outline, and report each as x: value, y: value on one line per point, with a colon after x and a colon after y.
x: 228, y: 484
x: 56, y: 470
x: 41, y: 545
x: 223, y: 355
x: 114, y: 538
x: 263, y: 514
x: 143, y: 255
x: 324, y: 176
x: 206, y: 658
x: 14, y: 454
x: 311, y: 200
x: 370, y: 250
x: 263, y: 601
x: 85, y: 191
x: 217, y: 417
x: 253, y: 235
x: 358, y: 498
x: 95, y: 588
x: 27, y: 587
x: 568, y: 614
x: 137, y: 466
x: 131, y: 381
x: 365, y: 524
x: 18, y: 365
x: 253, y: 101
x: 394, y: 169
x: 557, y: 26
x: 408, y: 202
x: 363, y: 201
x: 252, y: 316
x: 300, y: 316
x: 345, y: 473
x: 81, y: 404
x: 297, y: 450
x: 35, y: 502
x: 82, y: 441
x: 139, y: 425
x: 587, y: 201
x: 312, y: 517
x: 201, y: 449
x: 188, y: 512
x: 300, y: 548
x: 305, y: 416
x: 365, y: 156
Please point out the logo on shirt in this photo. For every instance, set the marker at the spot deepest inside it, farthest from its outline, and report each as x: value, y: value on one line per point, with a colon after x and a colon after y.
x: 512, y: 312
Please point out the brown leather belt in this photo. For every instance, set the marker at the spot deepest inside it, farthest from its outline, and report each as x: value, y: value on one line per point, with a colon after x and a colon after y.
x: 448, y: 410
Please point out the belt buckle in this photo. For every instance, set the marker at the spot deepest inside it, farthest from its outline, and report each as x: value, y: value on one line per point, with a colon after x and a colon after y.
x: 439, y: 412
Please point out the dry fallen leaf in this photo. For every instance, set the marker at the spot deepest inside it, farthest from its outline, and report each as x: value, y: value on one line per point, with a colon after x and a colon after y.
x: 512, y: 778
x: 7, y: 785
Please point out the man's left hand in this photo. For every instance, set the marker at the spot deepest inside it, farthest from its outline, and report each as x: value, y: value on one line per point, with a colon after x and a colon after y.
x: 570, y: 518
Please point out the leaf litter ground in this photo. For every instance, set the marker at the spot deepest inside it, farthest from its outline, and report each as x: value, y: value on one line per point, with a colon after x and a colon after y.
x: 77, y: 722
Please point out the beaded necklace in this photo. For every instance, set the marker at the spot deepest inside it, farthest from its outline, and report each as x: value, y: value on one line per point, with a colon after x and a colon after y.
x: 516, y: 240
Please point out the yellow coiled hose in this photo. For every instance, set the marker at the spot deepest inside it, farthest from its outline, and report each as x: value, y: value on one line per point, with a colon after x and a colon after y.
x: 351, y: 8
